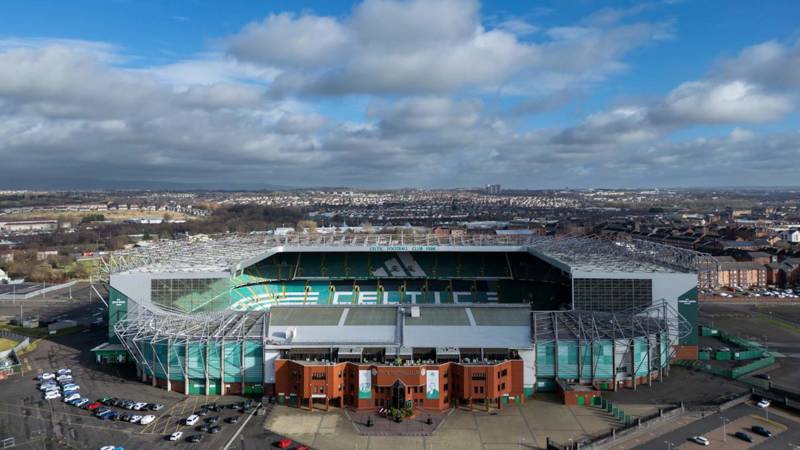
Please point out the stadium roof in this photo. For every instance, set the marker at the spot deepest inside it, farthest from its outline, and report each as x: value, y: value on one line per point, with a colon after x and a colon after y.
x: 232, y: 252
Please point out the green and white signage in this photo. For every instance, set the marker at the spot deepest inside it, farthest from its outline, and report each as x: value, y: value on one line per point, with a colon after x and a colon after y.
x: 364, y: 384
x: 432, y: 384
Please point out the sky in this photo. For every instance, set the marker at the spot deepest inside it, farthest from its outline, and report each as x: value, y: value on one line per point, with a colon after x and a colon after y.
x: 387, y: 94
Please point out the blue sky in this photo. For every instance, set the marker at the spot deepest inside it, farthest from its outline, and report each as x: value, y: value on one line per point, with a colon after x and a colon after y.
x: 439, y: 93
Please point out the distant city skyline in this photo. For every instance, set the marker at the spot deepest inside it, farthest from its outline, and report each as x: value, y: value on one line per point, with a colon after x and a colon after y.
x: 390, y: 94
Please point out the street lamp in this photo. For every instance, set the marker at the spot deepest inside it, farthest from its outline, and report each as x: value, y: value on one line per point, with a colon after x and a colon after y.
x: 669, y: 445
x: 724, y: 434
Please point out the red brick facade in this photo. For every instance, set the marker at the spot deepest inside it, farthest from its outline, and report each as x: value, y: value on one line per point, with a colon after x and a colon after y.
x: 338, y: 384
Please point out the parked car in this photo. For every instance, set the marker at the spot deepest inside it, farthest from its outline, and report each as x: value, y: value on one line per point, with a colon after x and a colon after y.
x: 191, y: 420
x: 175, y: 436
x: 82, y: 402
x: 212, y: 420
x: 136, y: 418
x: 64, y: 372
x: 743, y: 436
x: 155, y: 406
x: 64, y: 378
x: 203, y: 428
x: 50, y: 395
x: 147, y: 419
x: 763, y: 403
x: 93, y: 406
x: 70, y: 397
x: 70, y: 387
x: 725, y: 349
x: 138, y: 406
x: 195, y: 438
x: 46, y: 376
x: 215, y: 429
x: 700, y: 440
x: 232, y: 419
x: 48, y: 386
x: 758, y: 429
x: 763, y: 376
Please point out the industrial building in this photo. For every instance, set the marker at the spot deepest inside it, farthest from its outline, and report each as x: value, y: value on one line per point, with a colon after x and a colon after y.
x: 430, y: 322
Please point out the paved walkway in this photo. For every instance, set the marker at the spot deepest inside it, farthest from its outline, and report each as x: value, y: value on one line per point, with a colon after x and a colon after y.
x: 516, y: 426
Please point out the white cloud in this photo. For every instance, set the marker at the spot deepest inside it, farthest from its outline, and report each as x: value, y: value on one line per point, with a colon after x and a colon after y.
x: 431, y: 47
x: 735, y: 101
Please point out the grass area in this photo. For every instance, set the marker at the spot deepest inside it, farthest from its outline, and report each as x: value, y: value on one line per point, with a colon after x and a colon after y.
x: 771, y: 422
x: 783, y: 324
x: 7, y: 344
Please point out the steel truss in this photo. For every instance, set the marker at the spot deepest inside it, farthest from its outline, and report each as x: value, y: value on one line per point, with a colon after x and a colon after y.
x: 225, y: 253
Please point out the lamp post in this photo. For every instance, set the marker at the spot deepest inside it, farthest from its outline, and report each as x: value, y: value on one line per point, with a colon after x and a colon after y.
x: 724, y: 434
x: 669, y: 445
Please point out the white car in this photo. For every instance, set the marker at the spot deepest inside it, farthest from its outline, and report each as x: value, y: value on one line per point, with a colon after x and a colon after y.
x: 700, y: 440
x: 147, y: 419
x: 191, y: 420
x: 763, y: 403
x: 175, y: 436
x: 64, y: 378
x: 46, y: 376
x: 48, y: 386
x: 136, y: 419
x: 71, y: 397
x: 139, y: 406
x: 50, y: 395
x: 64, y: 371
x: 107, y: 447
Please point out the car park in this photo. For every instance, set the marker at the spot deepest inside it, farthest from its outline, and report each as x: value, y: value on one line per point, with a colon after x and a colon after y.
x: 147, y: 419
x: 700, y: 440
x: 175, y: 436
x: 763, y: 403
x: 743, y: 436
x: 191, y: 420
x: 758, y: 429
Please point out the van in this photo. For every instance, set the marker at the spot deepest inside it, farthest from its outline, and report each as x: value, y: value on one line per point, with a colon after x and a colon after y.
x: 191, y: 420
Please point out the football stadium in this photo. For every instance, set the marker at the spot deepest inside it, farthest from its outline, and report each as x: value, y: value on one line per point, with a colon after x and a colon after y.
x: 369, y: 321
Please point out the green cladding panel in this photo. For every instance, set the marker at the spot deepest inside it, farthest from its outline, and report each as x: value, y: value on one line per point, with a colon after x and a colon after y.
x: 662, y: 345
x: 641, y: 363
x: 568, y: 359
x: 147, y: 354
x: 233, y: 362
x: 197, y: 361
x: 161, y: 359
x: 604, y: 359
x: 117, y: 309
x: 687, y: 307
x: 214, y: 361
x: 177, y: 361
x: 586, y: 361
x: 253, y: 362
x: 545, y: 361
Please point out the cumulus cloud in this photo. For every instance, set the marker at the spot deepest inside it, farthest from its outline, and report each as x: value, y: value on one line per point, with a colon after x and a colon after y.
x: 438, y: 47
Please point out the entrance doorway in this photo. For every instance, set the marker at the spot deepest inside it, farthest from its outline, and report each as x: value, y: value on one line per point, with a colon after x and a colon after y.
x: 398, y: 395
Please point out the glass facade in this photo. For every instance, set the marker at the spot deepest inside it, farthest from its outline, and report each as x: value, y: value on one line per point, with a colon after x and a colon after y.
x: 612, y: 294
x: 191, y: 294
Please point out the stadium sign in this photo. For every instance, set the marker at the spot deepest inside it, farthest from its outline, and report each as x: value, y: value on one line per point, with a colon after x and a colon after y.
x: 404, y: 248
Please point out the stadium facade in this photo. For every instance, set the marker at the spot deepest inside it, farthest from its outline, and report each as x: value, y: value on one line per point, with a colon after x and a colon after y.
x: 368, y: 321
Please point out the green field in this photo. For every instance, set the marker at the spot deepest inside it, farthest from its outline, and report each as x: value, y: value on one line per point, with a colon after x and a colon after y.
x: 7, y: 344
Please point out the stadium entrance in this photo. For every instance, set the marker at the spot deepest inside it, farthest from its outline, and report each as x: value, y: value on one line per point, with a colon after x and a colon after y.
x: 398, y: 395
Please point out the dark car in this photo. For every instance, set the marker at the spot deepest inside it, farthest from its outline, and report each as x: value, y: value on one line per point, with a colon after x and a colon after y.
x: 215, y: 429
x: 212, y: 419
x: 757, y: 429
x: 195, y: 438
x: 125, y: 417
x: 763, y: 376
x: 203, y: 428
x: 215, y: 408
x: 232, y: 419
x: 155, y: 406
x: 743, y: 436
x: 202, y: 412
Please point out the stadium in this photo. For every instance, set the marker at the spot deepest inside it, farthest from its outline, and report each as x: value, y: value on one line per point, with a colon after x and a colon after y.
x: 369, y: 321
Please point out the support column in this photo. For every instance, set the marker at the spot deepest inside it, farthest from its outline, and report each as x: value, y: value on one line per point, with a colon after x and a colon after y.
x: 205, y: 372
x: 649, y: 361
x: 241, y: 367
x: 614, y: 361
x: 153, y: 366
x: 222, y: 367
x: 186, y: 368
x: 166, y: 369
x: 632, y: 349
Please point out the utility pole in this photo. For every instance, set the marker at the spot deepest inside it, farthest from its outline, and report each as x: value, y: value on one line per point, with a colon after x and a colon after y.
x: 724, y: 434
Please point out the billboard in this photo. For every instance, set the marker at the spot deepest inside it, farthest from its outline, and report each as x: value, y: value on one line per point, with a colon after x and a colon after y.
x: 364, y: 384
x: 432, y: 384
